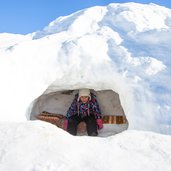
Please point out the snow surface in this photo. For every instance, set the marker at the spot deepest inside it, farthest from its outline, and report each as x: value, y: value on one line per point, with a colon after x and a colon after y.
x: 39, y: 146
x: 123, y: 47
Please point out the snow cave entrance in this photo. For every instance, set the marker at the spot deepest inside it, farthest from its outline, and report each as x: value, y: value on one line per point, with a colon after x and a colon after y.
x: 58, y: 102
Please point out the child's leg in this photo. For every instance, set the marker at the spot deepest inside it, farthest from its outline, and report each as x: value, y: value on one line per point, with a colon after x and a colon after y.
x: 91, y: 125
x: 72, y: 124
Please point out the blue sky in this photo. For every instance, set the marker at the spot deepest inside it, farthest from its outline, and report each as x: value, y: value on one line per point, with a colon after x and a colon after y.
x: 27, y: 16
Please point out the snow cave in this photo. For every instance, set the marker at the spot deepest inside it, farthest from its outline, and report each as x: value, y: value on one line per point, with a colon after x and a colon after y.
x: 58, y: 102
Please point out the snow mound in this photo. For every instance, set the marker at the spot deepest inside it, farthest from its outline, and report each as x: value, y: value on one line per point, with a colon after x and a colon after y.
x: 39, y: 146
x: 121, y: 47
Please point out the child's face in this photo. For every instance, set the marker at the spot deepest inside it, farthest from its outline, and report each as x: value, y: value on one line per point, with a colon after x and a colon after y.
x: 84, y: 99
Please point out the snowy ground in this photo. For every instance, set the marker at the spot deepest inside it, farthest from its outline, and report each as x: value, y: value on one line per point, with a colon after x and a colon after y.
x: 39, y: 146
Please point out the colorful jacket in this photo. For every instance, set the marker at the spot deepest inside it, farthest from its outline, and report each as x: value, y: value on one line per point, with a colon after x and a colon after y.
x: 81, y: 109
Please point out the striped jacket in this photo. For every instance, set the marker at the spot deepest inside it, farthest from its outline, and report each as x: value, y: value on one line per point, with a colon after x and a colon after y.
x: 81, y: 109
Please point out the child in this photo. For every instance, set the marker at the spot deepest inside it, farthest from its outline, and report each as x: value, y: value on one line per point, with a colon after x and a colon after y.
x: 84, y: 108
